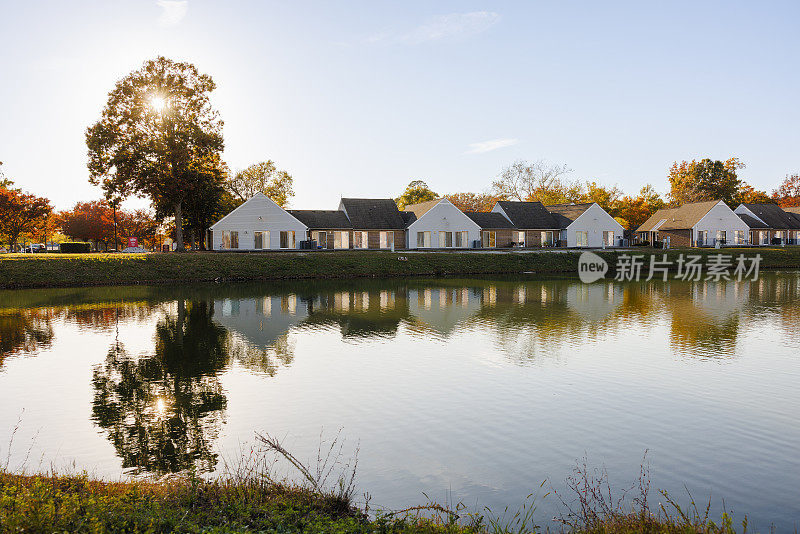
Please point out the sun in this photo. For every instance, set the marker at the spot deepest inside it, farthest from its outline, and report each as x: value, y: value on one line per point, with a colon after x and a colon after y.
x: 158, y: 103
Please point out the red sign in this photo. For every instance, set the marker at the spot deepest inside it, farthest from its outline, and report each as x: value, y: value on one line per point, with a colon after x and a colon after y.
x: 133, y: 242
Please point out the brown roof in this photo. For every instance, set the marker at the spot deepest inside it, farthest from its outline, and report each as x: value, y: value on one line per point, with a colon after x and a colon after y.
x: 422, y: 208
x: 565, y: 214
x: 793, y: 209
x: 489, y: 220
x: 373, y: 213
x: 774, y: 216
x: 528, y: 215
x: 680, y: 218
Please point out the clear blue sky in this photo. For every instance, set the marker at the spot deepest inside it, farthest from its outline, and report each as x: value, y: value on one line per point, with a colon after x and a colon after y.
x: 359, y: 98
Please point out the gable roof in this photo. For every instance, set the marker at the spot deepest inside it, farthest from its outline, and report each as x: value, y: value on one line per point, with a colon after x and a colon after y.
x: 373, y: 213
x: 528, y: 215
x: 408, y: 217
x: 774, y: 216
x: 794, y: 211
x: 328, y: 219
x: 565, y: 214
x: 751, y: 221
x: 244, y: 206
x: 680, y: 218
x: 489, y: 219
x: 422, y: 208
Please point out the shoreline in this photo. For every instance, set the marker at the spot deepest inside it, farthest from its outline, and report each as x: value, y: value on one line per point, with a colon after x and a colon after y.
x: 27, y: 271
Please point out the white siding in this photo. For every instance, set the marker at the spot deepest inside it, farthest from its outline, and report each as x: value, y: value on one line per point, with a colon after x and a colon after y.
x: 594, y: 221
x: 720, y: 217
x: 443, y: 217
x: 258, y: 214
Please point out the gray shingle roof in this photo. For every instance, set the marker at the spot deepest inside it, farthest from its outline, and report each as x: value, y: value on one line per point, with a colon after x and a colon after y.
x: 373, y: 213
x: 680, y: 218
x: 529, y: 215
x: 565, y: 214
x: 750, y: 221
x: 489, y: 220
x: 408, y: 217
x: 322, y: 219
x: 774, y: 216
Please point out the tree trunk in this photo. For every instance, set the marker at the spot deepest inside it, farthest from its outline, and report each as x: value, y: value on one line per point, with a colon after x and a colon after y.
x: 179, y: 228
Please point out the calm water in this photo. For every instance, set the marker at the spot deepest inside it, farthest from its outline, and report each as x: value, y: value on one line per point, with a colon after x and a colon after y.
x: 468, y: 390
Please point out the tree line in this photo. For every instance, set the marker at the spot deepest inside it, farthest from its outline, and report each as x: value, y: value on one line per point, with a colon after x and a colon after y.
x: 689, y: 181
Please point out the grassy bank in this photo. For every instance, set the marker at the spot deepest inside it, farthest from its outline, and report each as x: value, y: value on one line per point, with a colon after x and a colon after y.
x: 79, y: 504
x: 67, y: 270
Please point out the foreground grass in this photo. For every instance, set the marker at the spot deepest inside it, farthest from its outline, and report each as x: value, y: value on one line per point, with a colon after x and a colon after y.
x: 70, y: 270
x: 78, y: 504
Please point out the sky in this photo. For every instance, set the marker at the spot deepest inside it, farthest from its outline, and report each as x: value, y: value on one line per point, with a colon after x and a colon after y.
x: 359, y: 98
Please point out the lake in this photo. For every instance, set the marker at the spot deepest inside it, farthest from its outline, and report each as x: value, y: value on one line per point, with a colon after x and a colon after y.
x: 469, y: 390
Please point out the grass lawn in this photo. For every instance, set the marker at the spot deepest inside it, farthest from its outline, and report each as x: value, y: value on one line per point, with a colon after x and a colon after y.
x: 65, y: 270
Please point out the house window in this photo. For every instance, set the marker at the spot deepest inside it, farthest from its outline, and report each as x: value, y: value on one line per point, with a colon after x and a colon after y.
x: 547, y: 239
x: 322, y: 239
x: 360, y: 240
x: 387, y: 239
x: 423, y: 239
x: 608, y: 238
x: 581, y: 238
x: 226, y: 239
x: 341, y: 240
x: 722, y: 237
x: 460, y: 239
x: 447, y: 239
x: 521, y: 238
x: 258, y: 238
x: 234, y: 239
x: 738, y: 237
x: 702, y: 237
x: 287, y: 239
x: 489, y: 239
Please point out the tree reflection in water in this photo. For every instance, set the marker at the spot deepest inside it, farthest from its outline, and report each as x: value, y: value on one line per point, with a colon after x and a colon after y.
x: 163, y: 412
x: 24, y: 331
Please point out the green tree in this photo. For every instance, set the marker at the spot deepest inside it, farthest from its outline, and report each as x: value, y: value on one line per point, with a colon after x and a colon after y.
x: 265, y: 178
x: 607, y: 198
x: 155, y: 131
x: 416, y: 192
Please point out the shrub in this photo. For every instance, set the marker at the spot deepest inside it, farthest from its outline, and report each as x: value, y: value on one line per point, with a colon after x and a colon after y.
x: 74, y: 248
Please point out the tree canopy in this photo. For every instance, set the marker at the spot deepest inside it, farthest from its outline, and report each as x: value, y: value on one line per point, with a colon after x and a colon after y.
x: 473, y: 201
x: 21, y: 213
x: 417, y: 191
x: 263, y: 177
x: 536, y: 181
x: 788, y: 193
x: 155, y: 136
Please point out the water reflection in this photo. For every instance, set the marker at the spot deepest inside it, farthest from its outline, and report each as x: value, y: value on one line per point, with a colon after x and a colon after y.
x: 163, y: 408
x: 163, y: 412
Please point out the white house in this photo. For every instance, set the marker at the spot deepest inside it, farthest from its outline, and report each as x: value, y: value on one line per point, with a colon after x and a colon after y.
x: 439, y: 224
x: 587, y: 225
x: 698, y: 224
x: 258, y: 224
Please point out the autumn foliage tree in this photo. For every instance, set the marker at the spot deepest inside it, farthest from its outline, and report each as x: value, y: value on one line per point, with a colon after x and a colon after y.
x: 788, y: 193
x: 21, y: 214
x: 157, y: 125
x: 636, y: 210
x: 473, y: 201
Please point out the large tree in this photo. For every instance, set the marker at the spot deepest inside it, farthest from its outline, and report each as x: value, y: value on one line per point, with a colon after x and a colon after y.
x: 536, y: 181
x: 265, y: 178
x: 417, y: 191
x: 788, y: 193
x: 157, y: 125
x: 21, y: 213
x: 89, y: 221
x: 695, y: 181
x: 473, y: 201
x: 636, y: 210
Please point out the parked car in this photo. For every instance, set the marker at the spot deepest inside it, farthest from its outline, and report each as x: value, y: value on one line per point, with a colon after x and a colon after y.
x: 35, y: 247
